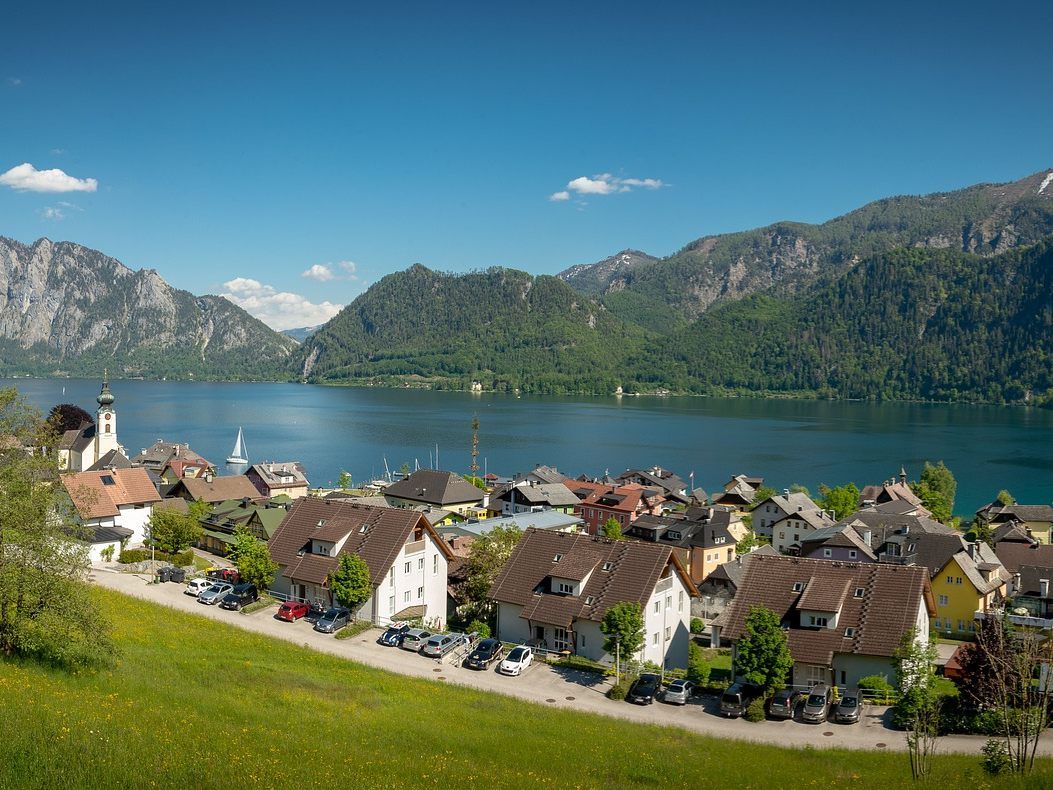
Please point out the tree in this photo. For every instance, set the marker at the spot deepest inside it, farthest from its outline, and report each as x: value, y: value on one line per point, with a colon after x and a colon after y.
x: 747, y: 544
x: 762, y: 493
x: 1005, y: 498
x: 487, y: 555
x: 253, y: 559
x: 797, y: 488
x: 349, y: 583
x: 612, y: 529
x: 172, y: 531
x: 763, y: 654
x: 345, y: 482
x: 46, y: 612
x: 68, y: 417
x: 843, y: 501
x: 936, y: 489
x: 623, y: 625
x: 919, y: 704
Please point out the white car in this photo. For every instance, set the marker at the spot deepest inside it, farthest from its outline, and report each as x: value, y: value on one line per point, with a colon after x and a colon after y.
x: 516, y: 661
x: 197, y: 586
x: 215, y: 593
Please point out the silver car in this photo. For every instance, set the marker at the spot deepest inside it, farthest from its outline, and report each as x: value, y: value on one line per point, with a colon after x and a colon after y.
x: 215, y: 593
x: 414, y: 639
x: 439, y: 645
x: 678, y: 692
x: 817, y: 706
x: 848, y: 709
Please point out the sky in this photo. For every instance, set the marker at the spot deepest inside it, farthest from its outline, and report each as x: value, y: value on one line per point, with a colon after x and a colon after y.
x: 290, y: 155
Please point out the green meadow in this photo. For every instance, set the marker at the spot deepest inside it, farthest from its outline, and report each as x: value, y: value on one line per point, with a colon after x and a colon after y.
x: 196, y: 703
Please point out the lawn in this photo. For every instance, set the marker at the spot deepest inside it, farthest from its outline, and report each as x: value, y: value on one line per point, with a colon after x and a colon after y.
x: 194, y: 702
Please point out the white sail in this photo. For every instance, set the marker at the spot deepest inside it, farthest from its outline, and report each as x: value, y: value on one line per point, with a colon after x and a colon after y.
x: 238, y: 454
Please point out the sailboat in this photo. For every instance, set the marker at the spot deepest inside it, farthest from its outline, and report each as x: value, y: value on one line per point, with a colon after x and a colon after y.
x: 237, y: 455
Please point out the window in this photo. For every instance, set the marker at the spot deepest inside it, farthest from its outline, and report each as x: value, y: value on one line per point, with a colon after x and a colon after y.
x: 798, y: 586
x: 607, y: 566
x: 420, y: 593
x: 668, y: 631
x: 565, y: 587
x: 391, y: 604
x: 405, y: 597
x: 782, y: 534
x: 817, y: 621
x: 669, y: 602
x: 950, y: 580
x: 943, y: 600
x: 680, y: 601
x: 391, y: 577
x: 589, y: 600
x: 654, y: 638
x: 860, y: 592
x: 657, y: 607
x: 958, y: 580
x: 938, y: 623
x: 828, y: 553
x: 557, y: 558
x: 582, y: 638
x: 851, y: 554
x: 107, y: 480
x: 850, y: 632
x: 561, y: 639
x: 420, y: 564
x: 961, y: 626
x: 406, y: 568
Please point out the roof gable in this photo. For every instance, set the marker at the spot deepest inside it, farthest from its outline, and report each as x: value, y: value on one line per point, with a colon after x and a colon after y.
x: 433, y: 487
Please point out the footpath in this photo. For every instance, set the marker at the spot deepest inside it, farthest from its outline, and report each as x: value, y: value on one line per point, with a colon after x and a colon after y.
x: 547, y: 685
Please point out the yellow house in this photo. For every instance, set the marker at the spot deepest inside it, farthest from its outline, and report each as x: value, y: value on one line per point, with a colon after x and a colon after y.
x: 435, y: 489
x: 967, y: 583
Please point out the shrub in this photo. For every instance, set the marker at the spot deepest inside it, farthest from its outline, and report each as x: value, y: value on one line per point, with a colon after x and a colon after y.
x: 354, y: 628
x: 183, y: 559
x: 879, y: 685
x: 995, y: 757
x: 107, y: 553
x: 698, y: 668
x: 617, y: 691
x: 583, y: 664
x: 697, y: 626
x: 128, y: 556
x: 479, y: 627
x: 755, y: 710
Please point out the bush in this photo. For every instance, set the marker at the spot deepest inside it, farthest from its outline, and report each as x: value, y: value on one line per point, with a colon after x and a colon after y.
x: 755, y: 710
x: 995, y: 757
x: 479, y: 627
x: 956, y: 718
x: 697, y: 626
x: 183, y: 559
x: 698, y: 669
x: 107, y: 553
x: 129, y: 556
x: 617, y: 691
x: 583, y: 664
x: 354, y: 628
x: 879, y: 685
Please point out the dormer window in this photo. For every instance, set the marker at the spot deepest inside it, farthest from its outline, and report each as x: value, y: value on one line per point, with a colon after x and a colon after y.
x: 589, y: 600
x: 860, y: 592
x: 321, y: 522
x: 607, y: 566
x: 818, y: 621
x: 849, y: 633
x: 564, y: 587
x: 798, y: 586
x: 557, y: 558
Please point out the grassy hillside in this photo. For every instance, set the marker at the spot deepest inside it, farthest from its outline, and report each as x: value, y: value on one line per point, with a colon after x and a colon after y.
x: 198, y: 703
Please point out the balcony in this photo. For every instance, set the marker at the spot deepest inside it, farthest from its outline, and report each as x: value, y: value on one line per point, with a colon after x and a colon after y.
x: 664, y: 585
x: 1025, y: 620
x: 415, y: 548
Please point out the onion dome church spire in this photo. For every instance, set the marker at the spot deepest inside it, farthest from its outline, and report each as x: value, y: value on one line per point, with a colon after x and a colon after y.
x: 105, y: 397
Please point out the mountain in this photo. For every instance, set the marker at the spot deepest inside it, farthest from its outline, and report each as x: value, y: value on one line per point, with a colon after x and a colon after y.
x: 787, y: 257
x: 68, y: 308
x: 302, y: 333
x: 607, y: 276
x: 501, y: 327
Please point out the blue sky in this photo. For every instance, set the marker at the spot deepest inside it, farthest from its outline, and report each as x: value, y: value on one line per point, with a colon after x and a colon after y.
x: 254, y: 144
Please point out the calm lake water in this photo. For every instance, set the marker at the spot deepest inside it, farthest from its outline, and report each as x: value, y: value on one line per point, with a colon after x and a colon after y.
x: 809, y: 442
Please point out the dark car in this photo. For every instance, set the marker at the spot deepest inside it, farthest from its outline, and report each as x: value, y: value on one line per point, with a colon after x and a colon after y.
x: 737, y: 698
x: 240, y: 596
x: 784, y: 704
x: 335, y: 618
x: 847, y: 710
x: 291, y: 611
x: 485, y: 653
x: 644, y: 689
x: 392, y: 637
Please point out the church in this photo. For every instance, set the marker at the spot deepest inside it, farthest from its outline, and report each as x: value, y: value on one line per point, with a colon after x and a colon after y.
x: 94, y: 446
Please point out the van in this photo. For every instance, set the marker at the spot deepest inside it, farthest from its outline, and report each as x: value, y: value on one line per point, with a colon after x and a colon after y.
x: 817, y: 706
x: 737, y: 698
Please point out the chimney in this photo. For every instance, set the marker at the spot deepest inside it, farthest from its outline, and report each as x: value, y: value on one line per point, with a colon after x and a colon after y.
x: 868, y: 536
x: 1043, y: 588
x: 786, y: 492
x: 208, y: 477
x: 1016, y: 583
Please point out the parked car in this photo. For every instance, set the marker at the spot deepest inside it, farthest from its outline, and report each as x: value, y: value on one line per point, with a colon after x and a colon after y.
x: 335, y: 618
x: 784, y: 704
x: 197, y: 586
x: 392, y: 637
x: 817, y: 706
x: 439, y: 645
x: 644, y: 689
x: 229, y: 575
x: 737, y: 697
x: 414, y: 639
x: 678, y: 692
x: 241, y: 595
x: 291, y: 611
x: 518, y: 659
x: 485, y: 653
x: 214, y: 594
x: 848, y: 709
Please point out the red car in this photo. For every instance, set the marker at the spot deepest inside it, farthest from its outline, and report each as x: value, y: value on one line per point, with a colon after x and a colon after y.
x: 293, y: 610
x: 229, y: 575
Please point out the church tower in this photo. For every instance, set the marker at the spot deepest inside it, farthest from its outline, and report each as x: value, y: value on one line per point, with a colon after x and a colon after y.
x: 105, y: 421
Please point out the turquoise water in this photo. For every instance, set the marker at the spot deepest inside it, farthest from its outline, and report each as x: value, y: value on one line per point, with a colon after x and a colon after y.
x: 809, y: 442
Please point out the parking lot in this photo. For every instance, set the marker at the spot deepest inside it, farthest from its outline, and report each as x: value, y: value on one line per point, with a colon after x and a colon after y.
x: 543, y: 684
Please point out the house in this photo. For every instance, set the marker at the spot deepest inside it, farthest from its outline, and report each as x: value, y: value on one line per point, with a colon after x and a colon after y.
x: 874, y: 524
x: 788, y: 531
x: 114, y: 505
x: 540, y: 474
x: 1032, y: 591
x: 1038, y: 519
x: 702, y: 546
x: 82, y: 447
x: 669, y: 483
x: 599, y: 502
x: 843, y: 620
x: 1015, y: 548
x: 176, y: 469
x: 431, y: 487
x: 557, y: 586
x: 840, y: 542
x: 525, y: 496
x: 719, y: 588
x: 114, y: 459
x: 174, y: 460
x: 213, y: 490
x: 727, y: 517
x: 272, y: 479
x: 972, y: 580
x: 407, y: 559
x: 262, y: 519
x: 775, y: 508
x: 739, y: 492
x: 892, y: 490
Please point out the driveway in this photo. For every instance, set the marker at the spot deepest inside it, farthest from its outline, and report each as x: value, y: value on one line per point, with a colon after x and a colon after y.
x: 553, y: 686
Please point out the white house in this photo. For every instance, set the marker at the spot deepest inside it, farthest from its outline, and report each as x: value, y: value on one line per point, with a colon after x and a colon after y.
x: 407, y: 559
x: 557, y: 586
x: 775, y: 508
x: 115, y: 504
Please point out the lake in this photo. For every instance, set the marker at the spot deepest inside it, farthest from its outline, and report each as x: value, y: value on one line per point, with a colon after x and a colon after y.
x: 330, y: 429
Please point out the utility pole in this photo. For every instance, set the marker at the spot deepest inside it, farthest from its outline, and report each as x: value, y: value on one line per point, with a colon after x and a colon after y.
x: 475, y: 446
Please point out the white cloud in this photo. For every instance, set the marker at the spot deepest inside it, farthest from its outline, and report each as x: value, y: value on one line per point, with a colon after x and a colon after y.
x: 51, y: 212
x: 14, y: 82
x: 605, y: 184
x: 324, y: 272
x: 26, y: 178
x: 350, y: 267
x: 319, y: 272
x: 278, y: 309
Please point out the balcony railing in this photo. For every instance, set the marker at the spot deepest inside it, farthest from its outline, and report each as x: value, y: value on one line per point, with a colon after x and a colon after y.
x: 664, y: 584
x: 415, y: 548
x: 1029, y: 621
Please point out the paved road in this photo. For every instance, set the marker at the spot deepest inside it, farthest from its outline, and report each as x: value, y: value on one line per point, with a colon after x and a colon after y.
x: 547, y: 685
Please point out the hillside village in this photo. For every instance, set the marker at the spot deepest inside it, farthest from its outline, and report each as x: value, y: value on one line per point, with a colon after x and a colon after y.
x: 847, y: 582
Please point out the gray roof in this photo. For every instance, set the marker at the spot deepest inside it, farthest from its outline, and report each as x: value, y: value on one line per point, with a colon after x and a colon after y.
x: 433, y: 487
x: 1026, y: 513
x: 841, y: 535
x: 881, y: 524
x: 816, y: 519
x: 109, y: 534
x: 542, y: 519
x: 113, y: 459
x: 551, y: 494
x: 1031, y: 577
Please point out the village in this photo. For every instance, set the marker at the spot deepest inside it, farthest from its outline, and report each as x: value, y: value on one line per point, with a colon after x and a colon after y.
x: 503, y: 573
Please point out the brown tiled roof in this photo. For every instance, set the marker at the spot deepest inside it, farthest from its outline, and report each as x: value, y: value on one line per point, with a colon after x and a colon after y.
x: 220, y: 489
x: 99, y: 494
x: 386, y: 532
x: 823, y: 594
x: 635, y: 569
x: 887, y: 609
x: 435, y: 488
x: 1014, y: 555
x: 274, y: 475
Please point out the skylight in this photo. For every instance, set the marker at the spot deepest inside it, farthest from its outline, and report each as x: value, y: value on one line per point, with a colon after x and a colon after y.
x: 798, y: 586
x: 557, y: 558
x: 860, y: 592
x: 107, y: 480
x: 608, y: 565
